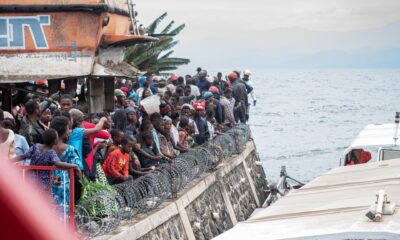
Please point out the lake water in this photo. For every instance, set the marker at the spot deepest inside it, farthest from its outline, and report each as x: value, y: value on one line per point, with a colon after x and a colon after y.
x: 304, y: 119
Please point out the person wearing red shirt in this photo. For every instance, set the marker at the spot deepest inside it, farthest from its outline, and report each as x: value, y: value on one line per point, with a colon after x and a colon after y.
x: 90, y: 166
x: 116, y: 165
x: 359, y: 156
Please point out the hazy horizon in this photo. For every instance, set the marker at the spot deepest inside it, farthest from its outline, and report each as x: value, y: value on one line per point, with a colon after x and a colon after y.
x: 285, y: 33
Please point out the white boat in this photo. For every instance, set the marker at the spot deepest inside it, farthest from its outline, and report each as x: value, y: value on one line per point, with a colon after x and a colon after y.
x: 347, y: 202
x: 380, y: 139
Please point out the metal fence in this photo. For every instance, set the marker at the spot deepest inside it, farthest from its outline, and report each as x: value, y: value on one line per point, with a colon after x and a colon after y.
x: 148, y: 192
x: 44, y: 176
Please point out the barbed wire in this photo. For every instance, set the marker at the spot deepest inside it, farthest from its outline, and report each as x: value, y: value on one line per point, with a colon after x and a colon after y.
x: 150, y: 191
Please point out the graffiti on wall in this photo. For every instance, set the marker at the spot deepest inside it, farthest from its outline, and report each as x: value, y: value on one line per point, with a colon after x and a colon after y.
x: 12, y: 31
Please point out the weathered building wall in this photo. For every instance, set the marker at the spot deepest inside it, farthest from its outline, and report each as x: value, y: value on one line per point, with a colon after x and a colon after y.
x: 207, y: 207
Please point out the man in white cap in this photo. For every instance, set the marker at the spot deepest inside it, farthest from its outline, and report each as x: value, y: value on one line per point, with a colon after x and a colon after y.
x: 252, y: 94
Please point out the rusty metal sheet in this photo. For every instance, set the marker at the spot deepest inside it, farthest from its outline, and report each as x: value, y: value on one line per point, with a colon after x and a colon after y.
x: 49, y: 45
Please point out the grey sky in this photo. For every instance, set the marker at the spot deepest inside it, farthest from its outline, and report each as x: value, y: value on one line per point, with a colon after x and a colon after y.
x: 215, y: 24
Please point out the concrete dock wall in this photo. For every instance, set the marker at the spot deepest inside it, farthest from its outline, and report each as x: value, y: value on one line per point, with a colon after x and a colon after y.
x: 207, y: 207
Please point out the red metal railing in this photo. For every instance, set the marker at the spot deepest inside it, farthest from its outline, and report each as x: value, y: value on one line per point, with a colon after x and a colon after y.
x: 36, y: 169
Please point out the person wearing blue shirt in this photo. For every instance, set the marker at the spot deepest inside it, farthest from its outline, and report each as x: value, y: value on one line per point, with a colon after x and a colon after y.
x: 202, y: 83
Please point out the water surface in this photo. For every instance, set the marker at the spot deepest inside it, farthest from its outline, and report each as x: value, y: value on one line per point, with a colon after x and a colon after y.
x: 304, y: 119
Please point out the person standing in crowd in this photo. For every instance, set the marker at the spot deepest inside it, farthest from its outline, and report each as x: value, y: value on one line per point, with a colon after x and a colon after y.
x: 162, y: 87
x: 135, y: 168
x: 66, y: 103
x: 88, y: 144
x: 7, y: 140
x: 174, y: 83
x: 201, y: 124
x: 251, y: 94
x: 116, y: 138
x: 120, y: 119
x: 31, y: 129
x: 152, y: 157
x: 46, y: 113
x: 158, y: 126
x: 21, y: 145
x: 44, y: 155
x: 79, y: 133
x: 183, y: 132
x: 66, y: 154
x: 203, y: 84
x: 228, y: 104
x: 165, y: 109
x: 219, y: 110
x: 132, y: 122
x: 174, y: 130
x: 240, y: 95
x: 116, y: 166
x: 194, y: 90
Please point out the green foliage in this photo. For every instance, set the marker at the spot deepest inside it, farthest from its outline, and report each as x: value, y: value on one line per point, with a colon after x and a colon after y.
x: 98, y: 199
x: 154, y: 57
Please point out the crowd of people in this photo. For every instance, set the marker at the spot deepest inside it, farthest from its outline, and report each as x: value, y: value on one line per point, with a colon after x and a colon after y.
x: 128, y: 142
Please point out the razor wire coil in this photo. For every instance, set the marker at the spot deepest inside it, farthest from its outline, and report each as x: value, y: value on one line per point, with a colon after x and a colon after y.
x: 148, y: 192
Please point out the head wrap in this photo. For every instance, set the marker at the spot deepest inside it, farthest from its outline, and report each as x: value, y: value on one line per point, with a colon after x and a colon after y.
x: 124, y: 89
x: 187, y: 105
x: 133, y: 96
x: 198, y: 106
x: 130, y: 110
x: 41, y: 82
x: 247, y: 72
x: 165, y: 108
x: 214, y: 89
x: 167, y: 119
x: 174, y: 78
x: 232, y: 76
x: 118, y: 92
x: 207, y: 95
x: 142, y: 79
x: 154, y: 78
x: 46, y: 105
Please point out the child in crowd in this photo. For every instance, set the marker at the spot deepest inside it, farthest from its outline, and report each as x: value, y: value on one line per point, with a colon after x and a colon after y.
x: 212, y: 124
x: 191, y: 134
x: 151, y: 150
x: 116, y: 165
x: 116, y: 137
x: 44, y: 155
x: 135, y: 168
x: 183, y: 132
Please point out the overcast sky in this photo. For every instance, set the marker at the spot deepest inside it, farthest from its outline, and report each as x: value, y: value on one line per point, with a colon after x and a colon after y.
x: 215, y: 27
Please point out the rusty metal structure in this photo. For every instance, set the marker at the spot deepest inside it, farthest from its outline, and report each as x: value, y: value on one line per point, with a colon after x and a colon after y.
x: 67, y: 39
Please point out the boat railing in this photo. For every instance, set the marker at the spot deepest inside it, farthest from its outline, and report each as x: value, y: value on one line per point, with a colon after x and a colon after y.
x: 34, y: 173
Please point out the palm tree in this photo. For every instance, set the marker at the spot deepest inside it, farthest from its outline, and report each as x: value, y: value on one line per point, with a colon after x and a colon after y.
x: 155, y: 57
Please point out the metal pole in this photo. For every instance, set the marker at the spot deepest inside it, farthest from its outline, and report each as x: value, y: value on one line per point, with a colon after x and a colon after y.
x: 72, y: 198
x: 396, y: 121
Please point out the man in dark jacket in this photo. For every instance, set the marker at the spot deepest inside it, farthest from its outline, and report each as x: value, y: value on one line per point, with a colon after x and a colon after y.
x: 240, y: 95
x: 201, y: 124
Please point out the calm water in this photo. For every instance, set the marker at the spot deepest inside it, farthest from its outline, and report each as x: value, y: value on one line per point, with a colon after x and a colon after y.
x: 304, y: 119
